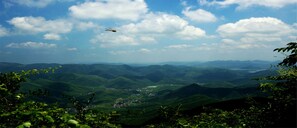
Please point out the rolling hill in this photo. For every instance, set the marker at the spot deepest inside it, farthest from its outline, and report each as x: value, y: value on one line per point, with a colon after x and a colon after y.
x: 143, y: 89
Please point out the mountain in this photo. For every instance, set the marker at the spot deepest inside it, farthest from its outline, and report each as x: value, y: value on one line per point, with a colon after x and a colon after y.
x: 228, y: 64
x: 217, y: 93
x: 138, y: 91
x: 256, y: 64
x: 133, y: 77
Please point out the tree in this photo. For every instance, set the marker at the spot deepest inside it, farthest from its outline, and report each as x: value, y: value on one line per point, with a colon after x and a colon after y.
x: 17, y: 111
x: 282, y: 89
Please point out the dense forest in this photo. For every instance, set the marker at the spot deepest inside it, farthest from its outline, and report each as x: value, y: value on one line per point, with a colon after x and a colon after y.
x: 211, y: 94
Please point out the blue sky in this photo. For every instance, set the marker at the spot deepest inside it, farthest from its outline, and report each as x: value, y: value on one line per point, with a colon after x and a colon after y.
x: 148, y: 31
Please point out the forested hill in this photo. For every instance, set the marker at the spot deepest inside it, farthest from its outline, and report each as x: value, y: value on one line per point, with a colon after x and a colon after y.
x: 137, y: 91
x: 127, y: 76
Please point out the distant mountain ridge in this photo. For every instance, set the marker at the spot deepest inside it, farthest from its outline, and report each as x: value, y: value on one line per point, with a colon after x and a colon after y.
x: 230, y: 64
x: 210, y: 73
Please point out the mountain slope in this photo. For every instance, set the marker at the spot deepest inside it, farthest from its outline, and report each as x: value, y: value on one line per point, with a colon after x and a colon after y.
x: 218, y: 93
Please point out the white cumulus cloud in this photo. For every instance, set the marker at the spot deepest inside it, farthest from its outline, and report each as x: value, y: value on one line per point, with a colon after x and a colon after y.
x: 266, y: 27
x: 151, y: 28
x: 111, y: 9
x: 190, y: 33
x: 164, y: 24
x: 253, y: 32
x: 199, y: 15
x: 242, y: 4
x: 52, y: 36
x: 157, y: 23
x: 113, y: 40
x: 34, y: 45
x: 82, y: 26
x: 40, y: 24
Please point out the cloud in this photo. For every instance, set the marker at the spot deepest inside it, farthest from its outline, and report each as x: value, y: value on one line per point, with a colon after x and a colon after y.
x: 34, y: 45
x: 164, y: 24
x: 3, y: 31
x: 72, y: 49
x: 52, y: 36
x: 242, y: 4
x: 183, y: 3
x: 191, y: 33
x: 199, y: 15
x: 147, y: 39
x: 228, y: 41
x: 31, y: 3
x: 157, y: 23
x: 111, y: 40
x: 112, y: 9
x: 265, y: 29
x: 149, y: 30
x: 233, y: 44
x: 131, y: 52
x: 106, y: 40
x: 179, y: 46
x: 255, y: 33
x: 121, y: 52
x: 294, y: 25
x: 40, y: 25
x: 144, y: 50
x: 82, y: 26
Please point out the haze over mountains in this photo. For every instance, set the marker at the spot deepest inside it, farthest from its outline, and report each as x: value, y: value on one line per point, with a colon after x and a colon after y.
x: 230, y: 64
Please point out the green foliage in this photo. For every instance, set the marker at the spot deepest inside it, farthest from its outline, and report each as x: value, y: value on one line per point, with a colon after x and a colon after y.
x: 291, y: 59
x: 170, y: 116
x: 280, y: 111
x: 212, y: 118
x: 16, y: 111
x: 94, y: 119
x: 282, y: 89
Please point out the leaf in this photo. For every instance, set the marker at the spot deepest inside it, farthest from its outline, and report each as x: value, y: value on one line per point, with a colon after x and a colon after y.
x: 25, y: 125
x: 49, y: 119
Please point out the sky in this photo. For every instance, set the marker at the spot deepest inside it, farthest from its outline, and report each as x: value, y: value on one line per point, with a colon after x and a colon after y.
x: 147, y: 31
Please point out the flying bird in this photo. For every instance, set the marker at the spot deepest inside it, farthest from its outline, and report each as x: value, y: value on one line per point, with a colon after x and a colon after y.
x: 110, y: 29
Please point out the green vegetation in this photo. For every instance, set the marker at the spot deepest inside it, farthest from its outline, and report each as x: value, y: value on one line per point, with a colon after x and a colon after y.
x: 100, y: 95
x: 279, y: 110
x: 17, y: 111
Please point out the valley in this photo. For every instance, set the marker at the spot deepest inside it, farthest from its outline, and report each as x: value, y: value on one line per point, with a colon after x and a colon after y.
x: 137, y: 92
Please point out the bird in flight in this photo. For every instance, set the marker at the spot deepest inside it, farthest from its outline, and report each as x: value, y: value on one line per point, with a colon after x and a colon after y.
x: 110, y: 29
